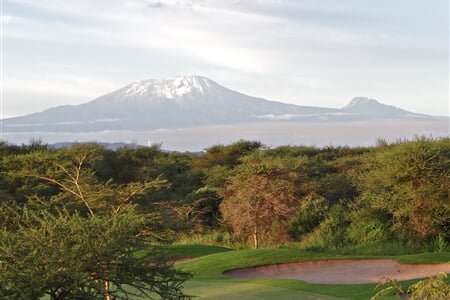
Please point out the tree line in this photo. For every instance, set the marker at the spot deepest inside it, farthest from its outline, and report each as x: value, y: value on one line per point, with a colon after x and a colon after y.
x: 322, y: 198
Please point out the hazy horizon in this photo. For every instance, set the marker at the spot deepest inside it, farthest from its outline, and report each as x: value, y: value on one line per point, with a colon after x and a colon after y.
x: 352, y: 134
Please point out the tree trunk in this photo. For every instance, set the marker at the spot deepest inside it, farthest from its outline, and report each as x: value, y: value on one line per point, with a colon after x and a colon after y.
x: 255, y: 237
x: 107, y: 291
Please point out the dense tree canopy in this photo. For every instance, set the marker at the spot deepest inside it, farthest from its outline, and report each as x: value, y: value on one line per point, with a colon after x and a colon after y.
x: 77, y: 235
x: 67, y: 256
x: 325, y: 197
x: 410, y: 182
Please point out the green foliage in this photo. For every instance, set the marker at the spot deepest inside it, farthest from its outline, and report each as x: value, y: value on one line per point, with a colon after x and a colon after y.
x: 213, y: 238
x: 369, y: 227
x: 392, y: 192
x: 311, y: 213
x: 68, y: 178
x: 293, y: 151
x: 82, y: 236
x: 332, y: 233
x: 219, y: 161
x: 229, y: 155
x: 216, y: 176
x: 67, y: 256
x: 204, y: 204
x: 335, y: 187
x: 409, y: 181
x: 334, y: 227
x: 440, y: 245
x: 388, y: 248
x: 435, y: 287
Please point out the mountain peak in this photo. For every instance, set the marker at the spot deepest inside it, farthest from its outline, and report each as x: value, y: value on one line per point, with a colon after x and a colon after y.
x: 361, y: 101
x: 188, y: 101
x: 171, y: 88
x: 372, y: 108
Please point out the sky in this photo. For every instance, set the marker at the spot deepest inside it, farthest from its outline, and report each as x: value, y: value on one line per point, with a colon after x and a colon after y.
x: 305, y: 52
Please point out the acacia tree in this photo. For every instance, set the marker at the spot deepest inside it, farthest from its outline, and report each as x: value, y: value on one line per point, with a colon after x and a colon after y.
x: 260, y: 197
x: 103, y: 252
x: 67, y: 256
x: 410, y: 182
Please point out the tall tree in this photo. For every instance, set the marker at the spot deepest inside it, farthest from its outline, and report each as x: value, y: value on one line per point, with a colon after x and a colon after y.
x: 410, y: 181
x: 88, y: 205
x: 67, y: 256
x: 259, y: 198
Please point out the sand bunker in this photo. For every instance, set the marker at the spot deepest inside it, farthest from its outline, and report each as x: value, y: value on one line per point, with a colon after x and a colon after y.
x: 342, y: 271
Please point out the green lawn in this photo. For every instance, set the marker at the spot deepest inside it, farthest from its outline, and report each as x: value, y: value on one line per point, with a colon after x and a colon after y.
x: 182, y: 251
x: 248, y: 290
x: 209, y: 283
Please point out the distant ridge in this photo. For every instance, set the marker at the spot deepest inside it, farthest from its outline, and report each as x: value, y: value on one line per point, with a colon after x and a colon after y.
x: 370, y: 107
x: 188, y: 101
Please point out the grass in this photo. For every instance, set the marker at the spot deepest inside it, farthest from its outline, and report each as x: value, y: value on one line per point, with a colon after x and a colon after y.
x: 184, y: 251
x: 424, y: 258
x: 209, y: 283
x: 212, y: 266
x: 248, y: 290
x: 175, y: 252
x: 211, y: 261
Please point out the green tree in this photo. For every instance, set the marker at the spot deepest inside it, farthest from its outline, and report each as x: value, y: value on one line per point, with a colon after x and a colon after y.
x: 67, y: 256
x: 311, y: 212
x: 410, y: 181
x: 229, y: 155
x: 91, y: 202
x: 335, y: 187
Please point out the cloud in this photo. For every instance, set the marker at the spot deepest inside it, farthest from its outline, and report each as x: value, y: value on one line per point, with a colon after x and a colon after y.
x: 173, y: 3
x: 318, y: 45
x: 259, y: 37
x: 155, y: 4
x: 58, y: 85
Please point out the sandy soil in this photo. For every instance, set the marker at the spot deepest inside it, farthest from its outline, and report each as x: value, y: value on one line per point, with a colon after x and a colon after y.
x: 342, y: 271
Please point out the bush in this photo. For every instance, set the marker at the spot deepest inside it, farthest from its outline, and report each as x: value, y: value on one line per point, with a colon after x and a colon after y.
x: 435, y: 287
x: 332, y: 233
x: 311, y: 213
x: 369, y: 226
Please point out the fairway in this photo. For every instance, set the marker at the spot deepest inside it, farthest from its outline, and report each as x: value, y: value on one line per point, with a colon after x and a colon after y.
x: 246, y: 290
x: 209, y: 281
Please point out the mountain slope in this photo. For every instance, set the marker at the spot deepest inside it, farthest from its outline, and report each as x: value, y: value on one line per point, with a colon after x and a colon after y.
x: 372, y: 108
x: 185, y: 101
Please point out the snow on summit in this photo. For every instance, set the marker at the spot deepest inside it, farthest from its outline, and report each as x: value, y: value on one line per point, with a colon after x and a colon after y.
x: 170, y: 88
x: 189, y: 101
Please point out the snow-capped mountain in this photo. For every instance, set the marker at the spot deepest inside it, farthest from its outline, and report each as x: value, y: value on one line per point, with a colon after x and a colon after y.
x: 186, y: 101
x: 172, y: 88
